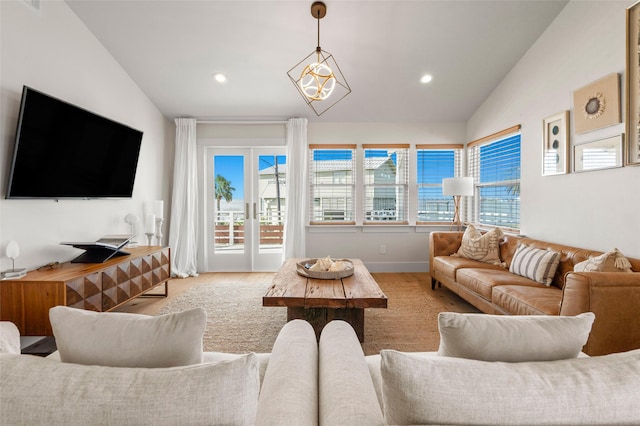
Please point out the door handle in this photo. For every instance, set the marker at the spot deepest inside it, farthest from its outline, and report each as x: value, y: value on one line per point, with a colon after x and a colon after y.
x: 255, y: 211
x: 246, y: 211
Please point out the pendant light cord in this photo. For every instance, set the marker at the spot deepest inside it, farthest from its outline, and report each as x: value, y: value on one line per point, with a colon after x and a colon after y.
x: 318, y: 49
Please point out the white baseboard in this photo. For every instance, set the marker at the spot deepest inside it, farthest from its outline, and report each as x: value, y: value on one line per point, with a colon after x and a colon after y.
x: 397, y: 266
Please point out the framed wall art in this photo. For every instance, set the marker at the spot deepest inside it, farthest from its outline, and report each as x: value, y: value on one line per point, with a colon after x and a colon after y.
x: 601, y: 154
x: 555, y: 140
x: 597, y: 105
x: 632, y: 118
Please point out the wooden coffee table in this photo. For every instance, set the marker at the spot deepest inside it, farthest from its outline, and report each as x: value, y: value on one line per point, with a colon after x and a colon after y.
x: 321, y: 301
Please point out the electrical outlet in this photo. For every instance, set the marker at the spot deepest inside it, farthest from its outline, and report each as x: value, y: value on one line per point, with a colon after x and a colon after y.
x: 383, y: 249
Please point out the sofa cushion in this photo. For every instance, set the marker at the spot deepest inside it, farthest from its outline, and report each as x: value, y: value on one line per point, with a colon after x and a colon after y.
x: 263, y: 360
x: 450, y: 265
x: 442, y: 390
x: 482, y: 280
x: 373, y: 364
x: 527, y: 300
x: 514, y: 338
x: 128, y: 340
x: 483, y: 248
x: 289, y: 393
x: 536, y: 264
x: 39, y: 391
x: 612, y: 261
x: 347, y: 394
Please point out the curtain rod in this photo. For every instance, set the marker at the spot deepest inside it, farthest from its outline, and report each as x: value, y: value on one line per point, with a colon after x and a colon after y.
x: 239, y: 122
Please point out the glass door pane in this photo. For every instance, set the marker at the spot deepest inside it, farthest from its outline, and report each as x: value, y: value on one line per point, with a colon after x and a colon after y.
x: 229, y: 233
x: 271, y: 202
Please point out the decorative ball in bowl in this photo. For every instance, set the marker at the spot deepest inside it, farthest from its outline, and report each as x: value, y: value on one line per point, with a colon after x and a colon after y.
x: 325, y: 268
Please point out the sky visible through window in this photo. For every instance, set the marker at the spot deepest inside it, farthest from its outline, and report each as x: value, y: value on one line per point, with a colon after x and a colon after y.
x: 500, y: 161
x: 346, y: 154
x: 231, y: 167
x: 434, y: 165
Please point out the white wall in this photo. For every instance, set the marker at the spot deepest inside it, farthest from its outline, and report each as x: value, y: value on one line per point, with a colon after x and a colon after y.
x: 596, y: 210
x: 52, y: 51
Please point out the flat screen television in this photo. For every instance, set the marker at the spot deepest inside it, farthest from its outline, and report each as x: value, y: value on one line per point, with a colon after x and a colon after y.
x: 63, y: 151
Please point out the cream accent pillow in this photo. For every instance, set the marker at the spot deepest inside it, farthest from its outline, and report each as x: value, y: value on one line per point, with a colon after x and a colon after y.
x: 118, y: 339
x: 9, y: 338
x: 536, y: 264
x: 483, y: 248
x: 440, y: 390
x: 514, y: 338
x: 39, y: 391
x: 612, y: 261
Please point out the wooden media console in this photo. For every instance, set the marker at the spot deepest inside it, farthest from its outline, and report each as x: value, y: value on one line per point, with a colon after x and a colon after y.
x: 97, y: 287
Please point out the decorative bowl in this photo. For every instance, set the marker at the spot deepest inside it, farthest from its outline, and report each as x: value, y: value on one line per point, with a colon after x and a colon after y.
x: 304, y: 265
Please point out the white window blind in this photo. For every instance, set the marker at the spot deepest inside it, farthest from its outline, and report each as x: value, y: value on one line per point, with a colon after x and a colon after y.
x: 494, y: 164
x: 332, y: 184
x: 434, y: 163
x: 386, y: 183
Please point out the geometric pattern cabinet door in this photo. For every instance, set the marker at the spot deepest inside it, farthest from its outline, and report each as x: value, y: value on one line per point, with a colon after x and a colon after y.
x: 160, y: 264
x: 85, y: 292
x: 92, y: 286
x: 109, y: 289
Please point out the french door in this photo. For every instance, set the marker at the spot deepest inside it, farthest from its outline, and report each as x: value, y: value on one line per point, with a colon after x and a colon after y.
x: 245, y: 205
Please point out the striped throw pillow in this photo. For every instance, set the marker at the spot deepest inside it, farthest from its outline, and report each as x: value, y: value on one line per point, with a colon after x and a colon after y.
x: 536, y: 264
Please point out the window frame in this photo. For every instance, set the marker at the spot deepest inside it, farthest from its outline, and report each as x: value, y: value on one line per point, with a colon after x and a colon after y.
x: 312, y: 194
x: 402, y: 186
x: 458, y: 161
x: 473, y: 204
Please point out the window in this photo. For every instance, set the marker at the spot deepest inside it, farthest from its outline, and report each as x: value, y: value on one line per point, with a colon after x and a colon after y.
x: 386, y: 184
x: 494, y: 164
x: 434, y: 163
x: 332, y: 184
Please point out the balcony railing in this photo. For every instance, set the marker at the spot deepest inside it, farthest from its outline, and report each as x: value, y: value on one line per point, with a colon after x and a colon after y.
x: 229, y: 228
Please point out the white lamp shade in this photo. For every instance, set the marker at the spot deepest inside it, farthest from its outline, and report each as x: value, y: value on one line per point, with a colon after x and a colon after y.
x: 457, y: 186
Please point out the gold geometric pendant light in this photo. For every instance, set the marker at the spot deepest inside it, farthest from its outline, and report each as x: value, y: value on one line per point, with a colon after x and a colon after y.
x: 318, y: 77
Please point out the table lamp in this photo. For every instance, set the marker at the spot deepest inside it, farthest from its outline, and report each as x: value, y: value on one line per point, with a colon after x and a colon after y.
x: 457, y: 187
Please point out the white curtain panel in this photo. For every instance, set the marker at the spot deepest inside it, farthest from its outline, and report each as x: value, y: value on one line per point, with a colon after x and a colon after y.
x: 297, y: 178
x: 184, y: 202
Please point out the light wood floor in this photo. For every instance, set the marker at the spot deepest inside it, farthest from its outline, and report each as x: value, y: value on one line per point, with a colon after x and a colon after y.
x: 152, y: 305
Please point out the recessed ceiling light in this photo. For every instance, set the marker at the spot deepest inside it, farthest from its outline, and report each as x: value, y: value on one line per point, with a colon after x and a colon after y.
x: 220, y: 78
x: 425, y: 78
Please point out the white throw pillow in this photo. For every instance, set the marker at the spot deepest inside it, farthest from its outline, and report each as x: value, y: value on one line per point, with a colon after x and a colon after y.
x: 514, y: 338
x: 441, y: 390
x: 9, y: 338
x: 536, y: 264
x: 39, y: 391
x: 611, y: 261
x: 128, y: 340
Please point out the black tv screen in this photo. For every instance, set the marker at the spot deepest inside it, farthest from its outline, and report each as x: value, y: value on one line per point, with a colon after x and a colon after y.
x: 63, y: 151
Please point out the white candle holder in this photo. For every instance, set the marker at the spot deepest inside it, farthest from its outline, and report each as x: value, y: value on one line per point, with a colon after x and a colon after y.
x: 149, y: 237
x: 159, y: 235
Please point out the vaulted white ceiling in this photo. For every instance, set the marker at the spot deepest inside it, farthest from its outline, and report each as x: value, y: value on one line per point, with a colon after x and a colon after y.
x: 172, y: 48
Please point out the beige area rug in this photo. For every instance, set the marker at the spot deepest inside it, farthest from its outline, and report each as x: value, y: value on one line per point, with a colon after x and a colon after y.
x: 410, y: 322
x: 236, y: 320
x: 238, y: 323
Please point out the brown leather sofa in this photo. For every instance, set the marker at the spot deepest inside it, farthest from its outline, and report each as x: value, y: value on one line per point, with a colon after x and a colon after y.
x: 614, y: 297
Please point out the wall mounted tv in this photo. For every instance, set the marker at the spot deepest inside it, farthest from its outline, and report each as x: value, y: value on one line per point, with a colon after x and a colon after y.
x: 63, y: 151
